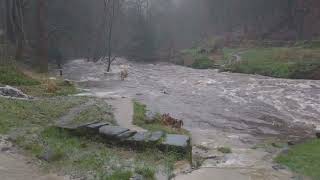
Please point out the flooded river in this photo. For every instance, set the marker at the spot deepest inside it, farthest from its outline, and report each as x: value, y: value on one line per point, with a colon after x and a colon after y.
x: 220, y: 110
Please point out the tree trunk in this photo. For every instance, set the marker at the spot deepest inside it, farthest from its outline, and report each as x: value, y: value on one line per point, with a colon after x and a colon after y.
x: 110, y: 38
x: 42, y: 54
x: 19, y: 48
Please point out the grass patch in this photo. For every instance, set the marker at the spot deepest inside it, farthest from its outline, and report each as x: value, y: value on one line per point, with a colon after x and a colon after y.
x: 140, y: 119
x: 50, y: 88
x: 148, y: 173
x: 119, y: 174
x: 100, y: 111
x: 203, y: 63
x: 11, y: 75
x: 34, y: 84
x: 225, y: 150
x: 197, y: 58
x: 303, y: 158
x: 280, y: 62
x: 88, y: 157
x: 33, y: 114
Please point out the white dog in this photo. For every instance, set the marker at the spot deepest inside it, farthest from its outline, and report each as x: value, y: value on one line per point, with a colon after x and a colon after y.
x: 124, y: 72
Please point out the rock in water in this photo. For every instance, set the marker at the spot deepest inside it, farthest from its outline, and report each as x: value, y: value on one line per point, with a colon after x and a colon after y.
x: 9, y: 91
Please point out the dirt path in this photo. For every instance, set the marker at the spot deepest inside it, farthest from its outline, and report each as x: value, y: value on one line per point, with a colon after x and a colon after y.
x: 14, y: 166
x: 123, y: 112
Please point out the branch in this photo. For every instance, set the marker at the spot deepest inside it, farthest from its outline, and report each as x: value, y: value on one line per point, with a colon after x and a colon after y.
x: 113, y: 59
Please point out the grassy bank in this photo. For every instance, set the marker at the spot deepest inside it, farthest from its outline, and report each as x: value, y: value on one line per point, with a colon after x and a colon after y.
x: 140, y: 119
x: 196, y: 58
x: 34, y: 84
x: 303, y: 158
x: 20, y: 114
x: 12, y: 75
x: 296, y: 62
x: 282, y: 62
x: 29, y: 125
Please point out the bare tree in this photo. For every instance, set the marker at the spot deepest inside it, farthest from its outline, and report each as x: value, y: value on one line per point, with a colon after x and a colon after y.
x: 15, y: 30
x: 111, y: 8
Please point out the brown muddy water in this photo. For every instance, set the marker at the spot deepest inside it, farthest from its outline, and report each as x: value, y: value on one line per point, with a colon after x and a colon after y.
x: 247, y: 113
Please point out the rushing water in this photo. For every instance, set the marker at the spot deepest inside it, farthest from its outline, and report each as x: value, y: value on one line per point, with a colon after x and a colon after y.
x: 229, y: 109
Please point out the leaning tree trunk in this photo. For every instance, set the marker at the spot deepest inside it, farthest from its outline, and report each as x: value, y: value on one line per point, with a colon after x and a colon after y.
x: 42, y: 52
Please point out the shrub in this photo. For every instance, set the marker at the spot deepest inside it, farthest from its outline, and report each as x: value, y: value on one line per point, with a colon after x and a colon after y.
x: 202, y: 63
x: 119, y: 175
x: 147, y: 172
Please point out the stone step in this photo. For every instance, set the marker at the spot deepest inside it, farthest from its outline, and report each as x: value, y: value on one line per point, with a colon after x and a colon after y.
x: 139, y: 137
x: 180, y: 143
x: 126, y: 135
x: 165, y: 142
x: 156, y: 136
x: 98, y: 125
x: 112, y: 131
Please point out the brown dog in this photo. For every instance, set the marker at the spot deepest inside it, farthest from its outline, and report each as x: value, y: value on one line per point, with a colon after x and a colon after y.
x: 167, y: 120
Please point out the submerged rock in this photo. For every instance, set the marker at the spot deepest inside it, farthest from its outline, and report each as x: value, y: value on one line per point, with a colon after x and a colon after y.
x: 9, y: 91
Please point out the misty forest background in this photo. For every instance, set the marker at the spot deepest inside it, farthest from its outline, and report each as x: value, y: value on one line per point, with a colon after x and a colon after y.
x: 40, y: 31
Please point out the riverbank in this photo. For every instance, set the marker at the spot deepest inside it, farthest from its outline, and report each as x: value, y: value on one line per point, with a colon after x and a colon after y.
x: 295, y: 61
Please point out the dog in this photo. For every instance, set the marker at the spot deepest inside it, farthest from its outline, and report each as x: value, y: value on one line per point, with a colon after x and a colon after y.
x: 167, y: 120
x: 124, y: 72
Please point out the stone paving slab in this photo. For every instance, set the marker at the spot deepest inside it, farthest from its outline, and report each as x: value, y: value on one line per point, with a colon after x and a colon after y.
x: 112, y: 131
x: 177, y: 140
x: 74, y: 126
x: 139, y: 137
x: 98, y: 125
x: 156, y: 136
x: 126, y: 135
x: 131, y: 137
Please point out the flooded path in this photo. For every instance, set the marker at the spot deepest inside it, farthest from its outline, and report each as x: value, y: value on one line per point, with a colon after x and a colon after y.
x: 220, y: 109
